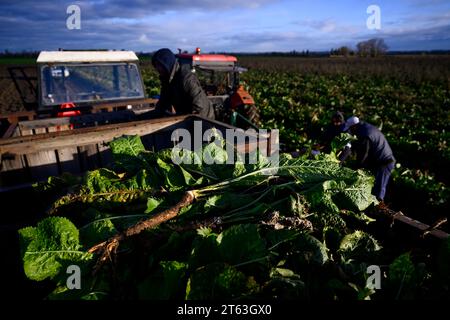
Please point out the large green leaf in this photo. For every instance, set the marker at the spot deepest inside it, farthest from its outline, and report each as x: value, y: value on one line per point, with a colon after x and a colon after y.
x: 320, y: 196
x: 127, y: 145
x: 358, y: 195
x: 214, y: 153
x: 314, y: 171
x: 144, y: 179
x: 102, y: 180
x: 172, y: 176
x: 309, y: 250
x: 205, y: 250
x: 241, y: 244
x: 96, y: 232
x: 49, y: 246
x: 359, y: 246
x: 126, y: 152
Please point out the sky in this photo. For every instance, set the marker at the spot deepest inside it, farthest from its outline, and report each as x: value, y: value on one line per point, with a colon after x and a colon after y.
x: 222, y: 26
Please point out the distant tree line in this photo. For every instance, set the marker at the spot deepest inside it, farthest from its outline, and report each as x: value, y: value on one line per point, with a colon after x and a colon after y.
x: 371, y: 48
x: 28, y: 54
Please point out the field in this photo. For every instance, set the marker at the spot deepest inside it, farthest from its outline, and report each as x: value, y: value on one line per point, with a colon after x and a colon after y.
x: 305, y: 233
x: 407, y: 96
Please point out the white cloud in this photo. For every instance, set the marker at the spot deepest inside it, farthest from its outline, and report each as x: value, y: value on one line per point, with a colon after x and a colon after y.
x: 144, y: 39
x: 328, y: 26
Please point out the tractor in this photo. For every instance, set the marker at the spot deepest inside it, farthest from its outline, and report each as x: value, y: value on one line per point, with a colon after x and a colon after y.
x: 219, y: 77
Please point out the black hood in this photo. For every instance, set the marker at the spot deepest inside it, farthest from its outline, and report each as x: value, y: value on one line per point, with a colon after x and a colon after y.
x: 166, y: 58
x: 338, y: 115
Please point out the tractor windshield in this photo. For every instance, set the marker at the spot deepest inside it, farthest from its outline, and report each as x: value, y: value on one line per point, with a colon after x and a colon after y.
x: 89, y: 83
x: 214, y: 82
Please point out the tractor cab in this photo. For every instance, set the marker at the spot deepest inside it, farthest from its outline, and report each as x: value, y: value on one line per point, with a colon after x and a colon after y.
x: 219, y: 77
x: 69, y: 79
x: 218, y: 74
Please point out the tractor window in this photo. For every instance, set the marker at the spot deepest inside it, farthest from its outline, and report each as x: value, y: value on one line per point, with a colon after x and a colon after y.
x: 88, y: 83
x: 214, y: 83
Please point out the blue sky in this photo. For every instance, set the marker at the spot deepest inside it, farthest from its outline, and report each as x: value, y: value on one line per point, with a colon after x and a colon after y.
x: 230, y: 25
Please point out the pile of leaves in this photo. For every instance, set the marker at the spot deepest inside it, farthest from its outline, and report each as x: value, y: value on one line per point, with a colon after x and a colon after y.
x: 247, y: 231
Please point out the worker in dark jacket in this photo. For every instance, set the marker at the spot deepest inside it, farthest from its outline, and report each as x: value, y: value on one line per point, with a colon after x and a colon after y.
x: 180, y: 87
x: 372, y: 152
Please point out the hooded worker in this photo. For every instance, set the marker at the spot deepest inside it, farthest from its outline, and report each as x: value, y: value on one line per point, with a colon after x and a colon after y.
x: 334, y: 129
x: 372, y: 152
x: 180, y: 88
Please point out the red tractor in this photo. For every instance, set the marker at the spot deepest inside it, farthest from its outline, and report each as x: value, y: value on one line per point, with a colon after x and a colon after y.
x: 219, y: 76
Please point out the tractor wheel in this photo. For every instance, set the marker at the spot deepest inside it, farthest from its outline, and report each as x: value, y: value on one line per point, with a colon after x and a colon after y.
x: 249, y: 111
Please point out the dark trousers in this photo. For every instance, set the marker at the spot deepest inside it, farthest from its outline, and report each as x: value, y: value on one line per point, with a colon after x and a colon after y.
x: 382, y: 175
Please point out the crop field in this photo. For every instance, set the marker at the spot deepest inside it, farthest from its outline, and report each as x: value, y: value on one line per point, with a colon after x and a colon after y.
x: 407, y: 97
x: 147, y: 228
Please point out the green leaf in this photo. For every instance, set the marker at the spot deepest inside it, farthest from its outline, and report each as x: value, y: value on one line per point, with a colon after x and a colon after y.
x: 310, y: 250
x: 174, y: 179
x: 204, y: 232
x: 401, y: 270
x: 126, y: 152
x: 361, y: 216
x: 311, y: 172
x: 152, y: 204
x: 320, y: 196
x: 357, y: 196
x: 226, y: 201
x: 189, y: 180
x: 216, y: 281
x: 96, y: 232
x: 49, y: 246
x: 340, y: 141
x: 54, y: 184
x: 358, y: 246
x: 282, y: 272
x: 230, y: 282
x: 144, y: 179
x: 239, y: 169
x: 241, y: 243
x: 167, y: 283
x: 214, y: 154
x: 205, y: 250
x: 102, y: 180
x: 127, y: 145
